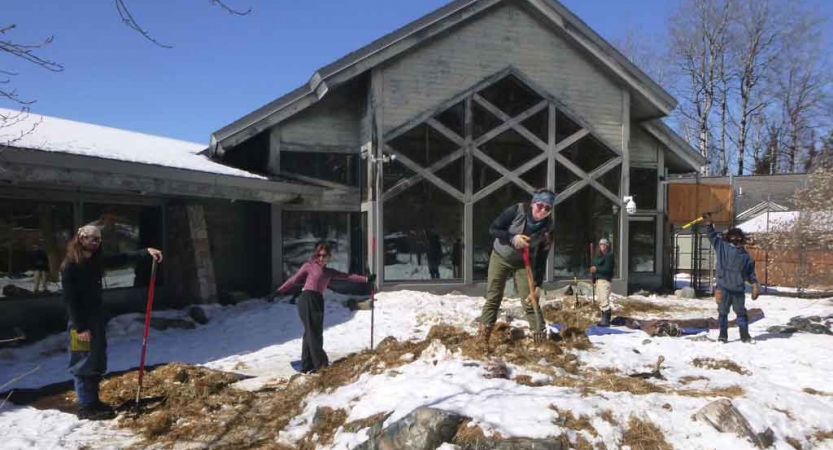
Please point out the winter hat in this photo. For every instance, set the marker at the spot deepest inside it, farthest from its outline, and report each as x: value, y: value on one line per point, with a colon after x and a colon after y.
x: 604, y: 241
x: 544, y: 196
x: 89, y: 230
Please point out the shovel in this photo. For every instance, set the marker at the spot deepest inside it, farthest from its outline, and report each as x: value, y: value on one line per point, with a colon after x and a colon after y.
x: 147, y: 330
x: 539, y: 333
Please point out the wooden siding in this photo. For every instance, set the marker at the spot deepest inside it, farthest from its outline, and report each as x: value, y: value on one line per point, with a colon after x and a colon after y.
x: 333, y: 124
x: 687, y: 202
x: 505, y: 36
x: 644, y: 147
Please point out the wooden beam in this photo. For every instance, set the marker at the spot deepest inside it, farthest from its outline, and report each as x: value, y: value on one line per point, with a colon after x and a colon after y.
x: 452, y: 136
x: 572, y: 139
x: 449, y: 189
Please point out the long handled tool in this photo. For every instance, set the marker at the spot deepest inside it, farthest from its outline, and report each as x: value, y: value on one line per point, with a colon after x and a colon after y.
x: 147, y: 329
x: 372, y: 292
x: 593, y: 275
x: 538, y: 335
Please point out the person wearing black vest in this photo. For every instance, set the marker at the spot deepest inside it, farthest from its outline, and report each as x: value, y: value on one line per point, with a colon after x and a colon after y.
x: 602, y: 270
x: 734, y: 267
x: 517, y: 227
x: 81, y: 274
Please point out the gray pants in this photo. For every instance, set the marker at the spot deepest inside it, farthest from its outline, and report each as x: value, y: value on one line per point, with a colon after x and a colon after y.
x: 311, y: 312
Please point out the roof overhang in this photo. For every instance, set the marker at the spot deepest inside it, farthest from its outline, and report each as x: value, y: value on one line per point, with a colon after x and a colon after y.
x: 417, y: 32
x: 688, y: 156
x: 29, y: 167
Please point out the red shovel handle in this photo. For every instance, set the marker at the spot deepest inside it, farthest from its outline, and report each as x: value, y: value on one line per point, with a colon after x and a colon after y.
x: 149, y: 308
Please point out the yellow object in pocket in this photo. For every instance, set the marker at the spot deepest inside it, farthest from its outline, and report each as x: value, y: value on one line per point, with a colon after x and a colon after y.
x: 77, y: 345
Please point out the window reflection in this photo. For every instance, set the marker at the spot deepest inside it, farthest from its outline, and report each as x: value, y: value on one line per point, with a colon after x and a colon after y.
x: 33, y: 238
x: 580, y: 220
x: 421, y: 227
x: 641, y: 246
x: 126, y: 228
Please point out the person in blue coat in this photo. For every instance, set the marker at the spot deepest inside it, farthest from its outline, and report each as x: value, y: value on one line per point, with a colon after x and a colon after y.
x: 735, y: 267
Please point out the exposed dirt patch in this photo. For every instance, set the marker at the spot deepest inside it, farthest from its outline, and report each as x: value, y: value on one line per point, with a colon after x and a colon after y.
x: 815, y: 392
x: 472, y: 436
x: 566, y: 419
x: 591, y: 381
x: 688, y: 379
x: 607, y: 416
x: 822, y: 435
x: 717, y: 364
x: 630, y: 307
x: 642, y: 434
x: 324, y: 426
x: 785, y: 412
x: 356, y: 425
x: 795, y: 443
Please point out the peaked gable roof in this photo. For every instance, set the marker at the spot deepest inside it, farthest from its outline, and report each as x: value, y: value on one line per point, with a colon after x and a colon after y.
x: 416, y: 32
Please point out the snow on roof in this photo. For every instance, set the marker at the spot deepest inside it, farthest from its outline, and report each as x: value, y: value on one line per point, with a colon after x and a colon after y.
x: 34, y: 131
x: 820, y: 221
x: 777, y: 219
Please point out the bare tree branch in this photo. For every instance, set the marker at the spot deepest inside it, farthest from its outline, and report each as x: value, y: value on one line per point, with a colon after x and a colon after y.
x: 128, y: 19
x: 230, y: 10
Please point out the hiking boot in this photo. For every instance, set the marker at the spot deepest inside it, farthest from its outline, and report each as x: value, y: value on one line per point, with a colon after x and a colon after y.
x: 605, y: 322
x: 743, y: 327
x: 722, y: 339
x: 91, y: 413
x: 484, y: 332
x: 100, y: 406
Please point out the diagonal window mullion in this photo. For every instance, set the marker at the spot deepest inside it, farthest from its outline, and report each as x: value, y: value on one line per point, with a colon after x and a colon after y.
x: 451, y: 190
x: 442, y: 129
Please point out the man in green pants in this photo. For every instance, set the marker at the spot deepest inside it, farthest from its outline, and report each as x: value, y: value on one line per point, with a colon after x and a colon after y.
x: 518, y: 227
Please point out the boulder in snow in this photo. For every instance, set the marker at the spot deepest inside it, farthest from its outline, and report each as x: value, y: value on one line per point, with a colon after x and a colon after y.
x: 686, y: 292
x: 198, y: 315
x: 161, y: 323
x: 423, y: 429
x: 724, y: 417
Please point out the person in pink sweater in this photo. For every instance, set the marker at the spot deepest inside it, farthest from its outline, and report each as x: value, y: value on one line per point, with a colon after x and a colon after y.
x: 316, y: 277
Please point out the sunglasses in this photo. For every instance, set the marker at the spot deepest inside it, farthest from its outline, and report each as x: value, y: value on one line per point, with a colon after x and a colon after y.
x: 543, y: 206
x: 322, y: 255
x: 91, y: 238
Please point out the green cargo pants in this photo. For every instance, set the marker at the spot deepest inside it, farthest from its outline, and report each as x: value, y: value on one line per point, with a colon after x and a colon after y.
x: 499, y: 271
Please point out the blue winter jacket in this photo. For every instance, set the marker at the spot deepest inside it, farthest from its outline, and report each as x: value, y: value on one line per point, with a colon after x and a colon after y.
x: 734, y: 265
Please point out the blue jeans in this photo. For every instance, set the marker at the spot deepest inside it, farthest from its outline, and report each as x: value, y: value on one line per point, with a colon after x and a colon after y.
x: 86, y: 389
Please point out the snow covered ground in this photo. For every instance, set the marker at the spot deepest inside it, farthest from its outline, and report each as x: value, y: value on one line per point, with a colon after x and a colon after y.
x: 258, y: 338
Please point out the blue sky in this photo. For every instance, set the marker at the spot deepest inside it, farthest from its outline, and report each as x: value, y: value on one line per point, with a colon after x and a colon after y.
x: 221, y: 66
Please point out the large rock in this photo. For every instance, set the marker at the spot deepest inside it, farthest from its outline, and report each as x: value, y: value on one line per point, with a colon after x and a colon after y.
x: 521, y: 444
x: 686, y: 292
x: 161, y: 323
x: 198, y: 315
x: 423, y: 429
x: 810, y: 324
x: 724, y: 417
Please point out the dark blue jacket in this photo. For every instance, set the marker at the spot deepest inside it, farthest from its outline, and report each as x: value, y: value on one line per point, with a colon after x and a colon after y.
x: 734, y: 265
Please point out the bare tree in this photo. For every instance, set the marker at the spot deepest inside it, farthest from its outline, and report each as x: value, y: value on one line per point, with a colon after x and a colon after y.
x: 802, y: 243
x: 698, y: 34
x: 756, y: 44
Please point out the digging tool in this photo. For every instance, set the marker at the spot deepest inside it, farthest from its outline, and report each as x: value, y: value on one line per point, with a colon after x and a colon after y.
x: 654, y: 373
x: 575, y: 293
x: 151, y: 288
x: 699, y: 219
x: 540, y: 332
x: 593, y: 275
x: 372, y: 293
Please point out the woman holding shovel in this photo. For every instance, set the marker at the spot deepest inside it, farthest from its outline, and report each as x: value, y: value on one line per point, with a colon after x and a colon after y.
x: 519, y: 227
x: 81, y: 274
x: 316, y: 277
